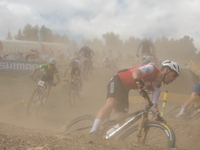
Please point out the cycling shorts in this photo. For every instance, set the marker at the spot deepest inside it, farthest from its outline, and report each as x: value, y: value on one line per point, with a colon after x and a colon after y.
x: 75, y: 71
x: 48, y: 80
x: 196, y: 88
x: 116, y: 89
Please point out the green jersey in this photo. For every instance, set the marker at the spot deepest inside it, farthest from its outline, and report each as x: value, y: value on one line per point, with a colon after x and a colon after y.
x: 49, y: 73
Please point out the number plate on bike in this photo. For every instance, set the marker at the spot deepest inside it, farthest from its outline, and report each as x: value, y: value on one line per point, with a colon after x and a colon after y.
x: 41, y: 83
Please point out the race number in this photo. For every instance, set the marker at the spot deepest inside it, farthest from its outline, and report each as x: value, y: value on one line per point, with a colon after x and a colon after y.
x: 41, y: 83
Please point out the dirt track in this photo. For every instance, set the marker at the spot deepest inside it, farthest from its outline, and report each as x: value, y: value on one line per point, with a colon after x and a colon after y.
x: 21, y: 132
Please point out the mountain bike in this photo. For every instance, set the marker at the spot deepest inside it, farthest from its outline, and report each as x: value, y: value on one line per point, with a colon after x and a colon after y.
x: 35, y: 102
x: 74, y: 90
x: 192, y: 113
x: 155, y: 133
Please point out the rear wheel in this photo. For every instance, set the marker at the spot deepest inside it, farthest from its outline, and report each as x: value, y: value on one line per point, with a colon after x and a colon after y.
x: 158, y: 134
x: 80, y: 125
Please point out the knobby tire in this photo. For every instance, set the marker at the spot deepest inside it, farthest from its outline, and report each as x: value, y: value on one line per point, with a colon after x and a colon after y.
x: 158, y: 131
x: 85, y: 121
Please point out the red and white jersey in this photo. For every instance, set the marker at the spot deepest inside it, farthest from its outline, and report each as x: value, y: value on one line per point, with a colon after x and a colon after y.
x: 149, y: 75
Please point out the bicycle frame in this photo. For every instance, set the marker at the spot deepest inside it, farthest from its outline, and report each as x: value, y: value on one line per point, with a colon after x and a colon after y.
x: 141, y: 114
x: 136, y: 116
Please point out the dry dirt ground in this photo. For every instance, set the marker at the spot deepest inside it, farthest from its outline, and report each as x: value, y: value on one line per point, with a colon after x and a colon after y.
x: 18, y: 131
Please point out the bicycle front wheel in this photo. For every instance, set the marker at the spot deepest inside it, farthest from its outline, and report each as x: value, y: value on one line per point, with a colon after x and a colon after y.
x: 158, y: 134
x: 80, y: 125
x: 32, y: 102
x: 72, y: 96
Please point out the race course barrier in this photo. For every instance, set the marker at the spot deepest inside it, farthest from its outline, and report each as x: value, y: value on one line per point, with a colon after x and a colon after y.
x: 194, y: 68
x: 19, y: 66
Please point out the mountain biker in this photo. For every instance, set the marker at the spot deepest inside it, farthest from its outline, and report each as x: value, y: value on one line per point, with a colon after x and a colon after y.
x: 87, y: 52
x: 141, y: 77
x: 147, y: 47
x: 29, y: 55
x: 4, y: 56
x: 193, y: 98
x: 76, y: 68
x: 49, y: 71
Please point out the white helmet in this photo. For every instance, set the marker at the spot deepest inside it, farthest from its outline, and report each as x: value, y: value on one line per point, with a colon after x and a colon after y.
x: 83, y: 45
x: 173, y: 65
x: 52, y: 61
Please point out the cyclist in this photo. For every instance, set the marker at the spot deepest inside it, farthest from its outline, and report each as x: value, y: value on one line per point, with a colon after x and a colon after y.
x: 106, y: 63
x: 4, y: 56
x: 87, y: 52
x: 49, y: 71
x: 35, y: 52
x: 147, y: 47
x: 193, y: 98
x: 19, y: 55
x: 29, y: 55
x: 141, y: 77
x: 76, y: 68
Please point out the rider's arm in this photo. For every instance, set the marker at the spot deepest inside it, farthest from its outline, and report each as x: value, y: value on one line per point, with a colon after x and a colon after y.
x: 34, y: 70
x: 69, y: 64
x: 147, y: 69
x: 136, y: 75
x: 58, y: 80
x: 139, y: 47
x: 156, y: 94
x: 80, y: 51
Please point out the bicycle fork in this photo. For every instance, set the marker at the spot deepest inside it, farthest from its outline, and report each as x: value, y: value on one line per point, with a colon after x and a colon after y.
x: 142, y: 127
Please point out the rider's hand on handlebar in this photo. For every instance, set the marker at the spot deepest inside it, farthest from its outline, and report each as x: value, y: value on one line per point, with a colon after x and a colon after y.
x: 139, y: 83
x: 31, y: 76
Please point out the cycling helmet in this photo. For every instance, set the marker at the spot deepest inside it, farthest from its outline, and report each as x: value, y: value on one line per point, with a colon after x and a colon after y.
x: 52, y: 61
x: 173, y: 65
x: 83, y: 45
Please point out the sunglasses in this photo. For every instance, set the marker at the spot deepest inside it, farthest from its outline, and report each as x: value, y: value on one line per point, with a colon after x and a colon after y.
x: 175, y: 75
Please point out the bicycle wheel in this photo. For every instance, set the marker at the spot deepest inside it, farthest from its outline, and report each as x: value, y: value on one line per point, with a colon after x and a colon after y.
x: 72, y: 96
x: 32, y: 102
x: 173, y: 112
x: 90, y: 69
x: 159, y: 134
x: 85, y: 71
x: 80, y: 125
x: 40, y: 107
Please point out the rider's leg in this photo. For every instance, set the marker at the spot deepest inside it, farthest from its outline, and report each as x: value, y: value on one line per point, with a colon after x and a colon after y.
x: 103, y: 112
x: 194, y: 97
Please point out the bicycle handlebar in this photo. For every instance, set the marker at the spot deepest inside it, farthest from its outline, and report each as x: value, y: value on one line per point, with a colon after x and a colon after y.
x: 152, y: 107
